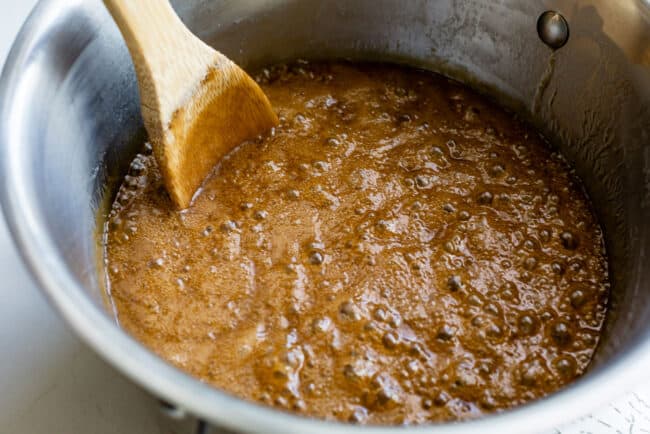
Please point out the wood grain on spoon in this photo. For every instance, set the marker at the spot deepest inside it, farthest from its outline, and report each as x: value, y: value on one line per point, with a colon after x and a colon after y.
x: 196, y: 103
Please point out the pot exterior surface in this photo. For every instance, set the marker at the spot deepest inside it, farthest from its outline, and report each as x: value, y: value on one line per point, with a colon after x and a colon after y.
x: 70, y: 124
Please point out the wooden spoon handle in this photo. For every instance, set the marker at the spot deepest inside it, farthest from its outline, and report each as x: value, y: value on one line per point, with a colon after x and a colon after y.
x: 165, y: 53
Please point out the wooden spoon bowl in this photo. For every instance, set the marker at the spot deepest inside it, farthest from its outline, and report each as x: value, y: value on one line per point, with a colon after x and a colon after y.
x: 196, y: 103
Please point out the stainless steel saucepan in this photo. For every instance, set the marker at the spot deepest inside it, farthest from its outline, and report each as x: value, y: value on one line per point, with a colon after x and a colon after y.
x: 70, y: 123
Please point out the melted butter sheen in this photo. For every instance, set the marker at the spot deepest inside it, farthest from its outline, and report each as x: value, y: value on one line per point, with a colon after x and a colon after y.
x: 399, y: 250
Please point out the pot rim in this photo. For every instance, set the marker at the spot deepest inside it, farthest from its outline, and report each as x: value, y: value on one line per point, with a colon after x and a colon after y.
x: 139, y: 364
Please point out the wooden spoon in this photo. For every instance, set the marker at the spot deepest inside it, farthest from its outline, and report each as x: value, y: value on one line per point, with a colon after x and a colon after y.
x: 196, y: 103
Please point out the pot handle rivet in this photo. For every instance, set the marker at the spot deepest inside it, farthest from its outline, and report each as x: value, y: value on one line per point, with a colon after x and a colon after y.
x: 553, y: 29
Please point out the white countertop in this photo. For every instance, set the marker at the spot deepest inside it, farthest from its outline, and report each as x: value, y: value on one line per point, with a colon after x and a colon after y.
x: 50, y: 383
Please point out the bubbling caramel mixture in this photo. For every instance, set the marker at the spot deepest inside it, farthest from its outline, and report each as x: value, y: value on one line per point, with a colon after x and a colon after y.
x: 398, y: 250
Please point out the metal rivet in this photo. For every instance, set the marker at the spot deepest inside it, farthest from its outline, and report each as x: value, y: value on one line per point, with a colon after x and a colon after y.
x: 553, y: 29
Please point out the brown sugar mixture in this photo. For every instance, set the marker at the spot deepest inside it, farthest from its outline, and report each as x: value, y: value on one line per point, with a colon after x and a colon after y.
x: 398, y: 250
